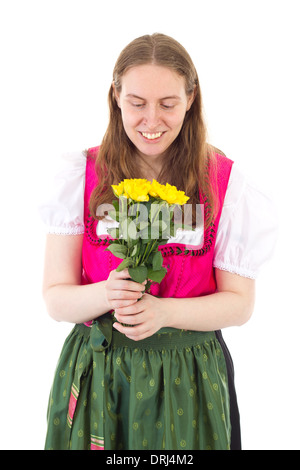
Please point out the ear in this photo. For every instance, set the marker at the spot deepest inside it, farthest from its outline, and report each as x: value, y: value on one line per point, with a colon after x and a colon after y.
x: 116, y: 94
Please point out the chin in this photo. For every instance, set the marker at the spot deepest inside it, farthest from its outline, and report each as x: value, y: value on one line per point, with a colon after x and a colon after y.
x: 150, y: 154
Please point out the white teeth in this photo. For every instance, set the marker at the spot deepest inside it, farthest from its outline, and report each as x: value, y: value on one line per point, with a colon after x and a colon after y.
x: 151, y: 136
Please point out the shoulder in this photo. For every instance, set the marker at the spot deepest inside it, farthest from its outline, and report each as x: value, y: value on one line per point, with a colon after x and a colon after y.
x: 73, y: 160
x: 220, y: 160
x: 217, y: 151
x: 92, y: 153
x: 92, y: 177
x: 91, y: 159
x: 219, y: 172
x: 91, y: 174
x: 62, y: 207
x: 243, y: 190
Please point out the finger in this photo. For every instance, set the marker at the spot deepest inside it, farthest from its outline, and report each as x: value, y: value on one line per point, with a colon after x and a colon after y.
x: 134, y: 309
x: 117, y: 304
x: 136, y: 333
x: 124, y: 274
x: 127, y: 285
x: 124, y: 295
x: 129, y: 319
x: 133, y: 314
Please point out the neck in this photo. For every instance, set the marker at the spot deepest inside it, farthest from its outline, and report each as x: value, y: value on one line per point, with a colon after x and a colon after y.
x: 150, y: 167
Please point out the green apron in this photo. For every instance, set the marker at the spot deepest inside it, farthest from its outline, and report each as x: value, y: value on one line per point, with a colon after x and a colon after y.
x: 167, y: 392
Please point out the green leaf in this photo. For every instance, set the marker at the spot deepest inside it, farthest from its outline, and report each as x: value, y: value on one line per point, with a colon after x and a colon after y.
x: 145, y: 234
x: 128, y: 229
x: 142, y: 225
x: 158, y: 227
x: 114, y: 232
x: 115, y: 203
x: 157, y: 276
x: 115, y: 215
x: 125, y: 264
x: 120, y: 251
x: 148, y: 285
x: 150, y: 259
x: 134, y: 250
x: 155, y: 208
x: 140, y: 211
x: 163, y: 241
x: 133, y: 234
x: 157, y: 261
x: 124, y: 228
x: 138, y: 274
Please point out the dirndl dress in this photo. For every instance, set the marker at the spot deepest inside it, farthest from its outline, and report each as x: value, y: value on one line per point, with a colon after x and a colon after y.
x: 171, y: 391
x: 174, y: 390
x: 167, y: 392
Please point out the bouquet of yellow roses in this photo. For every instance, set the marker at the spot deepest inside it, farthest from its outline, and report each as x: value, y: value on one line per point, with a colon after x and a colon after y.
x: 145, y: 212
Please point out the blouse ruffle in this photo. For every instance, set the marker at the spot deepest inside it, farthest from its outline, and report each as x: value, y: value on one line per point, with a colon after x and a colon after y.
x: 247, y: 230
x: 63, y: 211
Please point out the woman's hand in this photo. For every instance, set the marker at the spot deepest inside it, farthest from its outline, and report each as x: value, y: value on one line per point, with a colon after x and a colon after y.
x: 146, y: 317
x: 120, y: 291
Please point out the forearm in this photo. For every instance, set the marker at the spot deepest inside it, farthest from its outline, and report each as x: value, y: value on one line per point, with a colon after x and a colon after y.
x: 209, y: 313
x: 76, y: 303
x: 231, y: 305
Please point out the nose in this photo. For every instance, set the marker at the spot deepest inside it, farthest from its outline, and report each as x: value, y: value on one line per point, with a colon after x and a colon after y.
x: 152, y: 117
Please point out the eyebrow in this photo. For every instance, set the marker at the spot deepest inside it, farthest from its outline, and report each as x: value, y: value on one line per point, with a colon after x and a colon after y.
x: 131, y: 95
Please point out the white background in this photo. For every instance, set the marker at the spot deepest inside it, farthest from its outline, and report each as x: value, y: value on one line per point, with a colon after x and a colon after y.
x: 56, y: 66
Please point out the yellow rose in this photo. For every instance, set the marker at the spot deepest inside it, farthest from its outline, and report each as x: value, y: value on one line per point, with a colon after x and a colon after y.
x: 137, y: 189
x: 155, y: 189
x: 118, y: 189
x: 168, y: 193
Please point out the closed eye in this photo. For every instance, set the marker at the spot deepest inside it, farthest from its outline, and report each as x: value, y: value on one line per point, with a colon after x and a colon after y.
x: 164, y: 106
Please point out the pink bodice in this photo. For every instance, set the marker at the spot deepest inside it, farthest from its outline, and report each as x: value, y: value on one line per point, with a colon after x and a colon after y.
x: 190, y: 271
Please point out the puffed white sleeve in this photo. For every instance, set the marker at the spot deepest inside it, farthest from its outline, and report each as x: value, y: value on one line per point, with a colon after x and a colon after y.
x: 247, y: 231
x: 62, y: 212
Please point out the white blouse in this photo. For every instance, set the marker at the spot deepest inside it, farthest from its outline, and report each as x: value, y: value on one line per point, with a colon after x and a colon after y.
x: 247, y: 230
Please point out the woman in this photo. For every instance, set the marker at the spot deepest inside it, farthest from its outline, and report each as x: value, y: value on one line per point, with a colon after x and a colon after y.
x: 165, y: 380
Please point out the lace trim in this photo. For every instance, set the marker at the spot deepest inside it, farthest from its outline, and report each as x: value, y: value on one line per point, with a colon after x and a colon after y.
x: 77, y: 230
x: 235, y: 270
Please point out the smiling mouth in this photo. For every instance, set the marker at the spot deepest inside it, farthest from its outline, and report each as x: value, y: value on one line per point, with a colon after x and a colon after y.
x: 149, y: 136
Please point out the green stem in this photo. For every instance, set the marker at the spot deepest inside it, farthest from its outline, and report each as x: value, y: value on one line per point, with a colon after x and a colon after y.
x: 151, y: 249
x: 145, y: 252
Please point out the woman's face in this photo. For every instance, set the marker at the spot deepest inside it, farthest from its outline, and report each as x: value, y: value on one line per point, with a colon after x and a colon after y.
x: 153, y: 105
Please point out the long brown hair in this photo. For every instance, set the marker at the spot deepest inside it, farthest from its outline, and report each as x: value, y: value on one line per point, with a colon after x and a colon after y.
x: 189, y: 160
